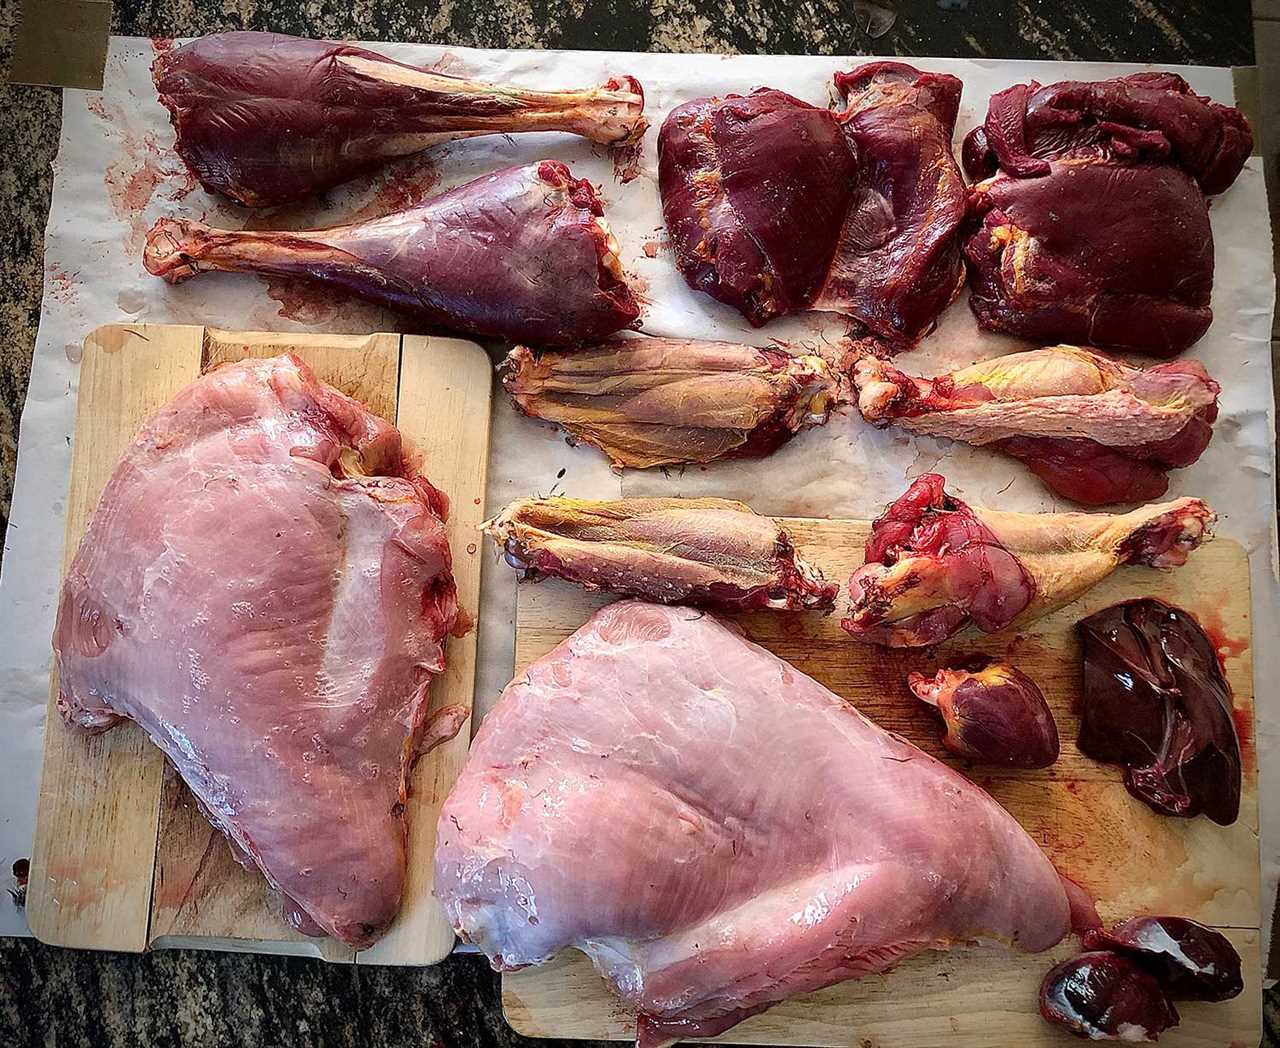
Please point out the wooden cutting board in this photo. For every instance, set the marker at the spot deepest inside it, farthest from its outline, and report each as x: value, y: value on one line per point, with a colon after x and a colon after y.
x: 1133, y: 860
x: 122, y: 858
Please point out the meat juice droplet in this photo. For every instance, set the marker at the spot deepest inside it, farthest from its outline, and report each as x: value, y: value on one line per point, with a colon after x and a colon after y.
x: 75, y: 352
x: 131, y: 300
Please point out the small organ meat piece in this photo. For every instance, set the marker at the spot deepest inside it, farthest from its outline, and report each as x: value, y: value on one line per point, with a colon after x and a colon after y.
x: 1130, y: 119
x: 266, y: 119
x: 1155, y: 700
x: 613, y: 802
x: 523, y: 253
x: 1191, y: 962
x: 265, y: 588
x: 775, y: 206
x: 898, y: 264
x: 934, y: 565
x: 711, y: 552
x: 1093, y: 253
x: 1104, y: 996
x: 1093, y: 428
x: 665, y: 401
x: 994, y: 713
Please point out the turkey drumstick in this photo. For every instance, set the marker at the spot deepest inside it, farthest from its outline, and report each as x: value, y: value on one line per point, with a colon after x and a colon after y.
x: 522, y: 253
x: 265, y: 118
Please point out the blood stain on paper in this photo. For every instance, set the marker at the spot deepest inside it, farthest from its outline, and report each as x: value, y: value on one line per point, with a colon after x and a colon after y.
x: 448, y: 63
x: 1226, y: 646
x: 302, y: 301
x: 62, y: 285
x: 398, y: 186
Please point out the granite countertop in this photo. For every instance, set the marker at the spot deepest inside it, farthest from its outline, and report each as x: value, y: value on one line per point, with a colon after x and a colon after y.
x: 51, y: 997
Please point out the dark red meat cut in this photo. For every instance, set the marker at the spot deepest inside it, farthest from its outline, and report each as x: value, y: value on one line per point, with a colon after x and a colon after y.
x: 754, y: 192
x: 523, y: 253
x: 1090, y: 223
x: 265, y: 118
x: 898, y: 265
x: 1093, y: 253
x: 775, y: 206
x: 1155, y: 700
x: 1141, y: 117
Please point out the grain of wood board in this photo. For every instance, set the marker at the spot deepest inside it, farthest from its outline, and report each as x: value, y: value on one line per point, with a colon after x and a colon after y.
x: 1132, y: 860
x: 123, y: 859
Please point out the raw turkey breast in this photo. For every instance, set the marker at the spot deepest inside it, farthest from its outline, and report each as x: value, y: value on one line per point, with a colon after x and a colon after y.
x: 615, y: 801
x: 265, y: 588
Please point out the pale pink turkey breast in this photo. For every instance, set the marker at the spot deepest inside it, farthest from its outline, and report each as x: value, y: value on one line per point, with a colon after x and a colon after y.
x: 717, y: 830
x: 265, y: 588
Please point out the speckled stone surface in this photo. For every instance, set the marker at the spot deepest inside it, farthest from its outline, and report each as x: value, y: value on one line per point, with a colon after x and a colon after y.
x: 62, y: 999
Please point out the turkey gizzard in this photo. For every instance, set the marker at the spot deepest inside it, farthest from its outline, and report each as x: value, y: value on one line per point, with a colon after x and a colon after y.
x: 775, y: 206
x: 523, y: 254
x: 267, y: 119
x: 265, y: 588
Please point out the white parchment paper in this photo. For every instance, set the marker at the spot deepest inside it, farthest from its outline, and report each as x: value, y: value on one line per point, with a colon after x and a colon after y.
x: 116, y: 173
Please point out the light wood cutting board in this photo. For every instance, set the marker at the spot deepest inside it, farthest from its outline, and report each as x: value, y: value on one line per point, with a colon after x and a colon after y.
x: 1132, y: 860
x: 122, y: 858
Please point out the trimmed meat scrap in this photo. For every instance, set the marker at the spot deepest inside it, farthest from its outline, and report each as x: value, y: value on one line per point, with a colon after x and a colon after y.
x: 265, y: 587
x: 934, y: 565
x: 775, y: 206
x: 613, y: 802
x: 665, y: 401
x: 1092, y: 428
x: 1093, y: 253
x: 266, y: 118
x: 712, y: 552
x: 523, y: 253
x: 1142, y: 117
